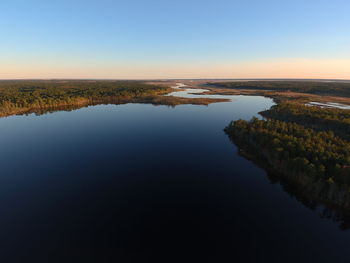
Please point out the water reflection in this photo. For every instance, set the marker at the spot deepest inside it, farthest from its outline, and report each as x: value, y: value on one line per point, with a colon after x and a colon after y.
x: 311, y: 196
x: 339, y: 216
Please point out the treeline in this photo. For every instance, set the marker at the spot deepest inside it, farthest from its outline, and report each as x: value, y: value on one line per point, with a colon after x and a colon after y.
x: 22, y: 96
x: 335, y: 88
x: 321, y: 119
x: 300, y: 146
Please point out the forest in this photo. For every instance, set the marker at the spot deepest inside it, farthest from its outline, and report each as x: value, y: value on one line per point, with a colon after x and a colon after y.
x: 320, y: 119
x: 308, y: 145
x: 335, y: 88
x: 23, y: 96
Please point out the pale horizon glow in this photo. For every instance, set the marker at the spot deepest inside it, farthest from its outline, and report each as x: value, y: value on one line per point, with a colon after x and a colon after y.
x: 279, y: 69
x: 160, y: 39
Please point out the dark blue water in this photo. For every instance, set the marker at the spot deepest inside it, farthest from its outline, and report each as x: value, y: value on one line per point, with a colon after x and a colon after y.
x: 143, y: 183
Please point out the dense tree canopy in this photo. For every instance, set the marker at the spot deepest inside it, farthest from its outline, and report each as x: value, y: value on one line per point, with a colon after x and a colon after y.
x: 17, y: 96
x: 298, y: 149
x: 309, y: 145
x: 322, y: 119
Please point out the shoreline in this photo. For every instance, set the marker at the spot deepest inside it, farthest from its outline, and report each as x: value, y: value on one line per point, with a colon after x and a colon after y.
x: 160, y: 98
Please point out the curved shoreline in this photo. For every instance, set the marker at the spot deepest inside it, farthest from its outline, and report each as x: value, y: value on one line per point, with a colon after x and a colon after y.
x: 165, y: 97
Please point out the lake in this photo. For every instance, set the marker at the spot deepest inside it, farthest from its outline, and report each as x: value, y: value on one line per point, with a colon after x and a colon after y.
x: 144, y: 183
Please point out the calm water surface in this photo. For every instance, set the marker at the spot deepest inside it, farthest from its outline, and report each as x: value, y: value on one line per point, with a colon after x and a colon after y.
x: 141, y: 183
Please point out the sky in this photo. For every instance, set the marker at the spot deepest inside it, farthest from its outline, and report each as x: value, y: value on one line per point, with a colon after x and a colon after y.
x: 159, y: 39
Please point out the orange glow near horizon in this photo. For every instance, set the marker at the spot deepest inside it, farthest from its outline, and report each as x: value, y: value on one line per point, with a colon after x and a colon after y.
x: 298, y: 68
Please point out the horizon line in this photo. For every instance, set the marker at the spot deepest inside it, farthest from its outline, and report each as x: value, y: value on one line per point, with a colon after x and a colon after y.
x: 173, y: 79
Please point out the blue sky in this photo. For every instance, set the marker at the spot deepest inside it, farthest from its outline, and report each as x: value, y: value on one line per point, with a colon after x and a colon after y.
x: 118, y: 39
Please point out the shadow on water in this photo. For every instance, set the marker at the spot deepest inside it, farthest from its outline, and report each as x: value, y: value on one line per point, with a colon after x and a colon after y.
x: 339, y: 216
x: 314, y: 200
